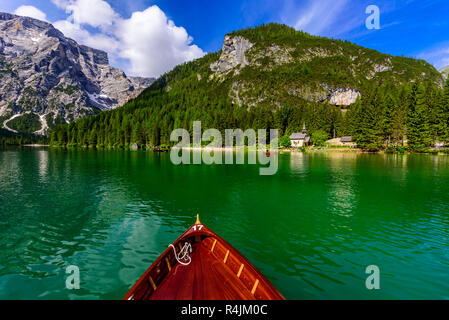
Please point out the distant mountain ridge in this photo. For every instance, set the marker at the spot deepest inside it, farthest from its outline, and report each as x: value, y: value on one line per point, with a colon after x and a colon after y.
x: 275, y: 64
x: 48, y: 79
x: 271, y: 76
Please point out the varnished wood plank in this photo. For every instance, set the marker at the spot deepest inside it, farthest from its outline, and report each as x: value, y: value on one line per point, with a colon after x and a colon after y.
x: 240, y: 271
x: 226, y: 257
x: 255, y: 286
x: 210, y: 276
x: 168, y: 264
x: 206, y: 278
x: 152, y: 283
x: 213, y: 246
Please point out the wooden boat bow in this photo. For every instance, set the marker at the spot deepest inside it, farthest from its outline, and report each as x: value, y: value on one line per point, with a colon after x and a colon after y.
x: 200, y: 265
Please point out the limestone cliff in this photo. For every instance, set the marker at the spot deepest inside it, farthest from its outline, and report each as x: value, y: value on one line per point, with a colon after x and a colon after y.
x: 232, y: 54
x: 263, y: 71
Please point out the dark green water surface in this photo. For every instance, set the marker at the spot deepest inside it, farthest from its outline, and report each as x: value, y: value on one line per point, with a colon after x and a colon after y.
x: 312, y: 228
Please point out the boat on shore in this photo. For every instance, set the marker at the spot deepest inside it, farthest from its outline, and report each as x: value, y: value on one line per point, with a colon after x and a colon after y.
x: 200, y: 265
x: 159, y: 150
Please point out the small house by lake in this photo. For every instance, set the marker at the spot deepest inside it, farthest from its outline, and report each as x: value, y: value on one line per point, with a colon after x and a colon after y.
x: 343, y: 141
x: 300, y: 139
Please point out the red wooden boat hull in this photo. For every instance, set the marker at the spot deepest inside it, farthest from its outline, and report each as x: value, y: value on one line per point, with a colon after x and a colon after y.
x: 217, y: 271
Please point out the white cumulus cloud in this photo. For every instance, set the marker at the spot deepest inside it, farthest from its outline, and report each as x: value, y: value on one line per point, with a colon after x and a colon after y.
x: 97, y: 13
x: 61, y: 4
x: 154, y: 44
x: 148, y: 41
x: 72, y: 30
x: 98, y: 41
x: 30, y: 11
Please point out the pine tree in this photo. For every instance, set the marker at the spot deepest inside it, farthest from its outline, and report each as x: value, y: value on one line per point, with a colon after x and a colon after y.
x: 388, y: 108
x: 443, y: 115
x: 399, y: 117
x: 367, y: 133
x: 418, y: 129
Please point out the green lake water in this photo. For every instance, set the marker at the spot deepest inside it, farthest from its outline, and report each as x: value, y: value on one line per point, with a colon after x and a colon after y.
x: 312, y: 228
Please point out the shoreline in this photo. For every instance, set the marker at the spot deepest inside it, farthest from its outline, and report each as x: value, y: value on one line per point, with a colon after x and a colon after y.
x: 209, y: 148
x: 254, y: 149
x: 246, y: 148
x: 35, y: 145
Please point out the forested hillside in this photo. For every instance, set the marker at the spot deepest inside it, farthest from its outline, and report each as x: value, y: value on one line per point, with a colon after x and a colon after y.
x: 273, y: 76
x: 10, y: 138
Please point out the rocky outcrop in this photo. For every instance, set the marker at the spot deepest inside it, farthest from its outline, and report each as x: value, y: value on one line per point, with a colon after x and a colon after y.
x: 235, y: 56
x: 342, y: 96
x: 43, y: 72
x: 232, y: 54
x: 276, y: 56
x: 445, y: 72
x: 377, y: 68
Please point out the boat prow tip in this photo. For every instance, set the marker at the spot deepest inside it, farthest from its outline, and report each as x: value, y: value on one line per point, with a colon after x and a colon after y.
x: 199, y: 250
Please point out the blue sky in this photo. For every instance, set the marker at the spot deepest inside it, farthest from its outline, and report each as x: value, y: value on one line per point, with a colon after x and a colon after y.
x: 168, y: 32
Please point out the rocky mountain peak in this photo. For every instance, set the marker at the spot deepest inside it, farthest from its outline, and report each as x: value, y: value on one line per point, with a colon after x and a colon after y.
x: 232, y: 54
x: 233, y: 57
x: 274, y: 64
x: 52, y: 79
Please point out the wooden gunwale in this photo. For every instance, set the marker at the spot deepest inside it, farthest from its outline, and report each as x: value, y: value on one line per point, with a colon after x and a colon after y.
x: 227, y: 257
